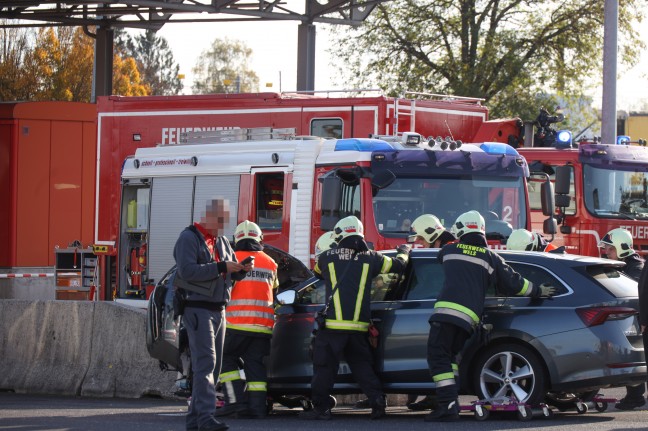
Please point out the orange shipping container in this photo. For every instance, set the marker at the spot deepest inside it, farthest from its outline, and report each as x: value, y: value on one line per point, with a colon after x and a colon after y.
x: 47, y: 171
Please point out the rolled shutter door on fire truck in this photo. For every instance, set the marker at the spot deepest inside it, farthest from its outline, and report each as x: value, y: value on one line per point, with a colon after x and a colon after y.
x: 171, y: 205
x: 218, y: 187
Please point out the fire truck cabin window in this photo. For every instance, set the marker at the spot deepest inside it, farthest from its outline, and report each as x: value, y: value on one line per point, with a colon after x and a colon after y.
x: 270, y: 200
x: 330, y: 128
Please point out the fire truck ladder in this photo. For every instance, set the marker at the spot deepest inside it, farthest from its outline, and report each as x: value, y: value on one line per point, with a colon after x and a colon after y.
x: 403, y: 108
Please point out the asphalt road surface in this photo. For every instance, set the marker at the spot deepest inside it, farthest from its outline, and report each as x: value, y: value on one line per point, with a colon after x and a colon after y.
x: 19, y: 412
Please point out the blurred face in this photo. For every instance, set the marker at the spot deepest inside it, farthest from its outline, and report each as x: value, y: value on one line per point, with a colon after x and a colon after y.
x: 610, y: 252
x: 216, y: 216
x: 420, y: 241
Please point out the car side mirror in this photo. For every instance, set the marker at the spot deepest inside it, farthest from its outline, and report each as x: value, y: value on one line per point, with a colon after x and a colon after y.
x: 287, y: 297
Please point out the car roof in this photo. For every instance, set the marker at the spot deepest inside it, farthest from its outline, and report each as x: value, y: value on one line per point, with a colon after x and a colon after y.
x: 535, y: 257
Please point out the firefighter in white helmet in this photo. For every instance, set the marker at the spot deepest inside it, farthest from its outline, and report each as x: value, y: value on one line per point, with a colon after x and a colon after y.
x: 469, y: 267
x: 617, y: 244
x: 429, y: 232
x: 250, y: 319
x: 524, y: 240
x: 324, y: 242
x: 348, y: 269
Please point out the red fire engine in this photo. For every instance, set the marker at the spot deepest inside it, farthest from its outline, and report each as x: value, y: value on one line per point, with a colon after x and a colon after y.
x: 128, y: 123
x: 299, y: 188
x: 598, y: 188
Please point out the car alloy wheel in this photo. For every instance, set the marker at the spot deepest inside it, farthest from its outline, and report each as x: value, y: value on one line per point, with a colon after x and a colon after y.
x: 510, y: 371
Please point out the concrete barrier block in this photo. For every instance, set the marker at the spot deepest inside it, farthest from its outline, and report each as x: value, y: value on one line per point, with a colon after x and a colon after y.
x: 44, y: 345
x: 120, y: 365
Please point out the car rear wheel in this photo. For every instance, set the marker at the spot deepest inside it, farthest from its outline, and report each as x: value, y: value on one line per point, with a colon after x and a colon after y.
x: 510, y: 371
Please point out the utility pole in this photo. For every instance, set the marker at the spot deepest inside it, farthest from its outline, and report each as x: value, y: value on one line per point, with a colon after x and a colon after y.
x: 608, y: 108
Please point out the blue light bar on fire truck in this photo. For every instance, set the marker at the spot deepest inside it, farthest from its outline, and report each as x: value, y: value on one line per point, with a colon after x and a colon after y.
x: 363, y: 144
x: 498, y: 148
x: 623, y: 140
x: 563, y: 139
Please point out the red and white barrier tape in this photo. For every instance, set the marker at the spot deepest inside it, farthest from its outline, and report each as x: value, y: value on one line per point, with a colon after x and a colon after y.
x: 26, y: 275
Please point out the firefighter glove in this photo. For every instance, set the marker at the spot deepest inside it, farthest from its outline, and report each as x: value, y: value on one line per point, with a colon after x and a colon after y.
x: 547, y: 290
x: 404, y: 249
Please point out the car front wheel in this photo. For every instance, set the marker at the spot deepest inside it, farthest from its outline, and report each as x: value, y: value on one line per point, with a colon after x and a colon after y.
x: 510, y: 372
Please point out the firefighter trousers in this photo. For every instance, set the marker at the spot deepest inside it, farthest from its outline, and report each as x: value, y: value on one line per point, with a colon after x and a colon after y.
x: 250, y: 351
x: 206, y: 334
x: 329, y: 348
x: 445, y: 341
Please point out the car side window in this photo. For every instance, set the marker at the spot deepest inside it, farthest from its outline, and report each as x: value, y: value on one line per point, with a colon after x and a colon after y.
x: 538, y: 275
x: 426, y: 280
x: 313, y: 294
x: 383, y: 286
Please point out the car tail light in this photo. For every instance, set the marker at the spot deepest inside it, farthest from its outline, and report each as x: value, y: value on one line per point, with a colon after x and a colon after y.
x: 593, y: 316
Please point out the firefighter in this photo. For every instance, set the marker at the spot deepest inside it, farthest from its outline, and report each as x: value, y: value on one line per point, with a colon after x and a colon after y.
x: 250, y: 319
x: 524, y: 240
x: 429, y: 232
x: 202, y: 253
x: 324, y: 242
x: 469, y: 268
x: 348, y: 270
x: 617, y: 244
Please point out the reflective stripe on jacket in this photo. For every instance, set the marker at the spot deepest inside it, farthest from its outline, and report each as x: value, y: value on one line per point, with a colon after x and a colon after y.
x: 250, y: 308
x: 349, y: 308
x: 470, y: 268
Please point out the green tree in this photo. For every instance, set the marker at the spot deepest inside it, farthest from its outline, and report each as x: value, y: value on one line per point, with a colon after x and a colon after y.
x: 224, y: 68
x: 154, y: 59
x: 512, y: 53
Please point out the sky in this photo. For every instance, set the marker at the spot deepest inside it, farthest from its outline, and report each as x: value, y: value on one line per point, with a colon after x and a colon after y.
x: 274, y: 58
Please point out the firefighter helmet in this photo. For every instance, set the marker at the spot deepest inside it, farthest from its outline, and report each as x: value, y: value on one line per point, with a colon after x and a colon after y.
x: 325, y: 242
x: 523, y: 240
x: 348, y: 226
x: 248, y: 230
x: 621, y: 240
x: 427, y: 227
x: 468, y: 222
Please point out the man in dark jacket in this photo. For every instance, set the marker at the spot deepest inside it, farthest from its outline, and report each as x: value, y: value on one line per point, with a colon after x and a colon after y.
x: 349, y: 269
x: 201, y: 255
x: 617, y: 244
x: 469, y: 268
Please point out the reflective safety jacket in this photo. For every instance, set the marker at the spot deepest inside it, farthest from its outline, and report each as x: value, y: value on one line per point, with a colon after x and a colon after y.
x: 250, y: 308
x: 470, y: 268
x: 349, y: 308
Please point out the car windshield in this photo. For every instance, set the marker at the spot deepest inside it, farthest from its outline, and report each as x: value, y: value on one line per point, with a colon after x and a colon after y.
x: 615, y: 193
x: 501, y: 200
x: 613, y: 280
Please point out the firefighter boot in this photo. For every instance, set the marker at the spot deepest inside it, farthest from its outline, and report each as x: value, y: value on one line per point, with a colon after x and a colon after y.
x: 378, y: 406
x: 445, y: 412
x: 427, y: 403
x: 257, y: 406
x: 235, y: 399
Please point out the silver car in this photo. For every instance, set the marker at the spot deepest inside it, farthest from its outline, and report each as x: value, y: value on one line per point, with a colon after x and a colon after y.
x: 555, y: 350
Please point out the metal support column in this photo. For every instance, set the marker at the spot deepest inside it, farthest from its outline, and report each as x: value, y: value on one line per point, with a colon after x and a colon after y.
x: 608, y: 108
x: 306, y: 57
x: 103, y: 62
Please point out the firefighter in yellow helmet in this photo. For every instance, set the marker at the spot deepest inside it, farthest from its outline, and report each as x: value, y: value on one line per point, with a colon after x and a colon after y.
x: 347, y: 271
x: 250, y: 319
x: 617, y: 244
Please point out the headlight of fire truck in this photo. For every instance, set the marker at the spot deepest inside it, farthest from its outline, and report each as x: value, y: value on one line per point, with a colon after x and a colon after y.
x: 563, y: 139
